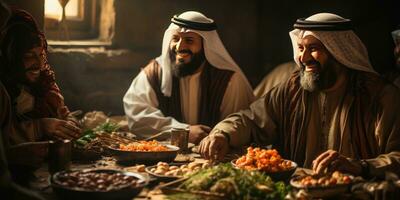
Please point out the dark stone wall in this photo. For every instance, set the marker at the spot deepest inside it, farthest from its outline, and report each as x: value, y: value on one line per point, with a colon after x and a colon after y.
x: 255, y: 32
x: 140, y: 25
x: 95, y: 79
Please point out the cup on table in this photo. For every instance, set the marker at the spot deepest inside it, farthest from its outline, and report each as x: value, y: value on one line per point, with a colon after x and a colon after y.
x: 59, y: 155
x: 180, y: 138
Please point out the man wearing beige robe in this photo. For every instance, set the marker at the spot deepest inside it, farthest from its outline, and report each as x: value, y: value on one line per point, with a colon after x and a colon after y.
x: 192, y: 85
x: 334, y: 113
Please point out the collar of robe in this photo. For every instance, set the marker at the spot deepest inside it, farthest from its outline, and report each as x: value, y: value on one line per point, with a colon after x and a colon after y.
x: 194, y: 25
x: 341, y: 25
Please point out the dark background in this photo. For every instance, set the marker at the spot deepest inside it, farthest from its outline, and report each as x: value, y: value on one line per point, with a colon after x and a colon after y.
x: 255, y: 32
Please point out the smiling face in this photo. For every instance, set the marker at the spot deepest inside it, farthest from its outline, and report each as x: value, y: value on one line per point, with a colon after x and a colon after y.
x: 319, y: 70
x: 185, y: 45
x: 33, y: 60
x: 186, y: 53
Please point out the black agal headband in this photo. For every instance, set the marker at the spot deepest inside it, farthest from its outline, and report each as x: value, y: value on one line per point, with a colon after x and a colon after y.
x: 341, y: 25
x: 193, y: 25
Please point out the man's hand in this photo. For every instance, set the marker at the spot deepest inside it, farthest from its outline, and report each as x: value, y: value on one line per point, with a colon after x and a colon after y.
x: 197, y: 133
x: 72, y: 117
x: 214, y: 146
x: 30, y: 153
x: 332, y: 161
x: 60, y: 129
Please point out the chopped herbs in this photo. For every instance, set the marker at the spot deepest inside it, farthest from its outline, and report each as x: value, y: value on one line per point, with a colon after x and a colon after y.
x: 235, y: 183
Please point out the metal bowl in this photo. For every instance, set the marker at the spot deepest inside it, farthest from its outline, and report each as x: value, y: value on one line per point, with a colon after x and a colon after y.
x: 276, y: 176
x: 123, y: 192
x: 144, y: 157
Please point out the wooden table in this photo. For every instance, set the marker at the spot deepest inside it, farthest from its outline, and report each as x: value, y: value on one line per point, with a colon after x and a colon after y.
x: 42, y: 185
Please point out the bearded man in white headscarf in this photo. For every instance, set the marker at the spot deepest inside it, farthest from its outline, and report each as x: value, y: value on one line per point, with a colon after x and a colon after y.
x: 334, y: 113
x: 192, y: 85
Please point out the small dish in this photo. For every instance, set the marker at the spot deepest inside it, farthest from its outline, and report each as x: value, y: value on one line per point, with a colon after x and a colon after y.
x: 322, y: 191
x: 145, y: 157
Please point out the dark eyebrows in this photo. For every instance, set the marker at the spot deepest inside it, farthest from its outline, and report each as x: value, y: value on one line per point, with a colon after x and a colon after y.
x: 309, y: 45
x: 314, y: 45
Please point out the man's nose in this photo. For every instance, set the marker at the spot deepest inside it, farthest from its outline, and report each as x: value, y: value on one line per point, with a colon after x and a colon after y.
x: 305, y: 56
x: 180, y: 45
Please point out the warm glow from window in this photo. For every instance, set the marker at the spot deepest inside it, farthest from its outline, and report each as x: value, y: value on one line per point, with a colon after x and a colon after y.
x: 53, y: 9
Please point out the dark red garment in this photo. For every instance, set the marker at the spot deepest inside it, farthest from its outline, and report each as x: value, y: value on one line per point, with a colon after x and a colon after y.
x: 48, y: 99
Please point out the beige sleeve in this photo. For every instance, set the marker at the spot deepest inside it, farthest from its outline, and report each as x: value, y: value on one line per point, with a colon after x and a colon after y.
x: 141, y: 109
x: 387, y: 133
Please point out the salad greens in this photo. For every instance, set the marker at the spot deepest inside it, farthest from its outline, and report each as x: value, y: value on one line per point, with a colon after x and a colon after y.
x: 235, y: 183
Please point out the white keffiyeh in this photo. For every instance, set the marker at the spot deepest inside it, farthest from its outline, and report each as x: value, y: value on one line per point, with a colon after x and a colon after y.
x: 214, y: 50
x: 345, y: 46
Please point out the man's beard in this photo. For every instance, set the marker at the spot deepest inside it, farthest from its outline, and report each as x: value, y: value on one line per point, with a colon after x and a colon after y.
x: 182, y: 69
x: 317, y: 81
x: 25, y: 80
x: 310, y: 81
